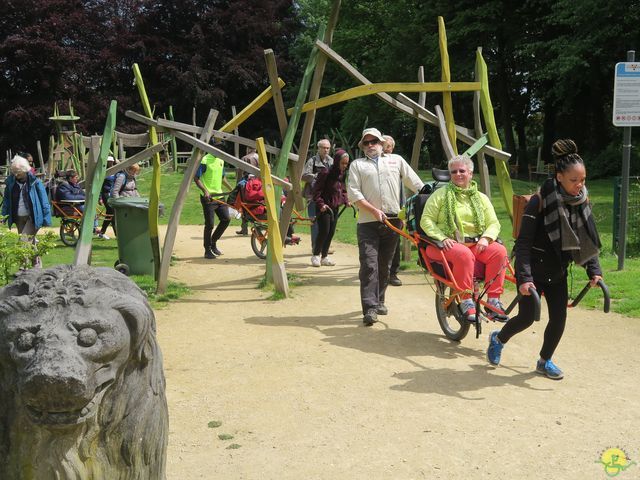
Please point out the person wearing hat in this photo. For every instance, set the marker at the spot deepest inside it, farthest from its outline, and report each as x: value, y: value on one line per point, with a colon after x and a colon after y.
x: 312, y: 167
x: 329, y: 192
x: 374, y: 188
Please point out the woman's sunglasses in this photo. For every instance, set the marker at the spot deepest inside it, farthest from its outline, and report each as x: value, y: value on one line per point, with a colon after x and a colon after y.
x: 454, y: 172
x: 366, y: 143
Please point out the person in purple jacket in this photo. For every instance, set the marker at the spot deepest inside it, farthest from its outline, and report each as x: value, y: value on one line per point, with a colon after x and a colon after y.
x: 329, y: 192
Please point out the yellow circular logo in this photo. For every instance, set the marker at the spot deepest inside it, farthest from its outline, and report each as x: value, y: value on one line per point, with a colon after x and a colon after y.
x: 614, y: 461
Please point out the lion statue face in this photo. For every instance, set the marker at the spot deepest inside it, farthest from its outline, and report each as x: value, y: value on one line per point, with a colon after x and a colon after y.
x: 81, y: 378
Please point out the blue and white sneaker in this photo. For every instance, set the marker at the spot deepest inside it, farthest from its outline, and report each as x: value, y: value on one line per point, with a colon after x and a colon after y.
x: 549, y: 369
x: 495, y: 348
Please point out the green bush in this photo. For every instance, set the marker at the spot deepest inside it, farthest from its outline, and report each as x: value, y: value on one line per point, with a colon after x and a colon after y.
x: 16, y: 254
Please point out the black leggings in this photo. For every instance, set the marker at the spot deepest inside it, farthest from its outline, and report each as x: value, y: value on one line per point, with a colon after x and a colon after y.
x: 326, y: 228
x: 557, y: 296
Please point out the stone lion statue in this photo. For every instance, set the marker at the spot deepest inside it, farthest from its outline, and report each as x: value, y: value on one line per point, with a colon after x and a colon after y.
x: 82, y: 391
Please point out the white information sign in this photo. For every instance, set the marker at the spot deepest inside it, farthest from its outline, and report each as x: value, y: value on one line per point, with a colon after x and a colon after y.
x: 626, y: 95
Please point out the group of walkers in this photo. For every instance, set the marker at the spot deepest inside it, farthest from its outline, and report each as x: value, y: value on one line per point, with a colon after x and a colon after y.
x: 557, y: 227
x: 27, y: 204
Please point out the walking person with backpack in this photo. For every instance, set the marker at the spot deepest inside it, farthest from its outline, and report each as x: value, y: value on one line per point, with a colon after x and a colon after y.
x: 125, y: 183
x: 329, y: 192
x: 105, y: 193
x: 557, y: 228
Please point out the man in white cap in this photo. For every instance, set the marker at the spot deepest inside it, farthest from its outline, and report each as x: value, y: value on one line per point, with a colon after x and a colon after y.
x: 374, y: 188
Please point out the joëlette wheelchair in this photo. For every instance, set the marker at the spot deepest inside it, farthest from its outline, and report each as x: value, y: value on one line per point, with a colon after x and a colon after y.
x: 448, y: 291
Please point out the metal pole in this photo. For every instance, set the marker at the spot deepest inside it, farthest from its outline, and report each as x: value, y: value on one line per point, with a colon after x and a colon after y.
x: 624, y: 190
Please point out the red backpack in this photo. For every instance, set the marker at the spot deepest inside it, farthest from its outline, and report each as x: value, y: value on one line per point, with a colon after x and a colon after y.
x: 254, y: 196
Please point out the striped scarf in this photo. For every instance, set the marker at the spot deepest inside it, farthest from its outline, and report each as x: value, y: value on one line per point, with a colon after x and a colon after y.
x: 569, y: 222
x: 453, y: 224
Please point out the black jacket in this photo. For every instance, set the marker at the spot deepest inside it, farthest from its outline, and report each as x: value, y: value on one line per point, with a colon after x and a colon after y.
x: 536, y: 258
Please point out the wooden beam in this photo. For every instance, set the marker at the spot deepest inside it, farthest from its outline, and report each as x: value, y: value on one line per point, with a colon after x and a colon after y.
x: 314, y: 94
x: 236, y: 145
x: 483, y: 168
x: 174, y: 219
x: 444, y: 137
x: 132, y: 139
x: 249, y: 110
x: 376, y: 88
x: 417, y: 141
x: 275, y: 270
x: 405, y: 104
x: 447, y: 102
x: 236, y: 162
x: 83, y: 248
x: 463, y: 134
x: 154, y: 193
x: 167, y: 125
x: 502, y: 170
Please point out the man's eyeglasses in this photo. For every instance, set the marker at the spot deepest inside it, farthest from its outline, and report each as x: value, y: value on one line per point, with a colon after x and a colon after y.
x: 454, y: 172
x: 366, y: 143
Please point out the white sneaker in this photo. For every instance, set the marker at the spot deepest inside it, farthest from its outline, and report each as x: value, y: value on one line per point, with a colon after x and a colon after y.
x: 327, y: 262
x: 104, y: 236
x: 315, y: 261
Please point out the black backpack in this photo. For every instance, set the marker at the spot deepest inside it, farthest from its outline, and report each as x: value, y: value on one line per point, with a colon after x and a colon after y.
x: 414, y: 207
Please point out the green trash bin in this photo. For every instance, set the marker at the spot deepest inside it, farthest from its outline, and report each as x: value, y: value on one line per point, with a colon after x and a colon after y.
x: 135, y: 256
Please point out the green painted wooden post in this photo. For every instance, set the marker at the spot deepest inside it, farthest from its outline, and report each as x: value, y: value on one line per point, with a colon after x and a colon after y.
x: 174, y: 144
x: 154, y: 194
x: 502, y: 170
x: 83, y: 249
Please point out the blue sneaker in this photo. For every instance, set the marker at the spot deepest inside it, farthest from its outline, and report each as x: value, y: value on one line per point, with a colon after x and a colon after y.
x: 495, y: 348
x: 549, y: 369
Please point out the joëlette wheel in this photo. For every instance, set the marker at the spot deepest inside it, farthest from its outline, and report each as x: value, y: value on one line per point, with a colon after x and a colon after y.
x: 69, y: 232
x: 450, y: 319
x: 259, y: 241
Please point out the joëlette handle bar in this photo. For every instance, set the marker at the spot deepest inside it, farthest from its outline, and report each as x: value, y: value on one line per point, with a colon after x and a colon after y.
x: 605, y: 293
x: 536, y: 303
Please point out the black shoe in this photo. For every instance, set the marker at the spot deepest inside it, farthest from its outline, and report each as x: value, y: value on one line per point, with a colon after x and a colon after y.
x: 395, y: 281
x: 209, y: 254
x: 242, y: 232
x: 382, y: 309
x: 215, y: 251
x: 370, y: 317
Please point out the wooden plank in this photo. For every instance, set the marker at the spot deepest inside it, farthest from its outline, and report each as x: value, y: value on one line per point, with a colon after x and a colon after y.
x: 444, y: 137
x: 314, y: 94
x: 463, y: 134
x: 236, y: 145
x: 275, y: 271
x: 40, y: 157
x: 83, y: 248
x: 375, y: 88
x: 138, y: 157
x: 164, y: 124
x: 133, y: 139
x: 475, y: 148
x: 417, y: 141
x: 281, y: 115
x: 483, y: 168
x: 92, y: 159
x: 236, y: 162
x: 447, y: 102
x: 249, y: 110
x: 154, y: 193
x: 405, y: 104
x: 502, y: 170
x: 178, y: 204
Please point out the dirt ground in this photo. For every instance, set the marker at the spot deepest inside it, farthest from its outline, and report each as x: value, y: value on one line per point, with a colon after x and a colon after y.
x: 308, y: 393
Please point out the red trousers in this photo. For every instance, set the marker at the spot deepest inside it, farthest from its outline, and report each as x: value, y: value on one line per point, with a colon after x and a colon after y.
x: 462, y: 260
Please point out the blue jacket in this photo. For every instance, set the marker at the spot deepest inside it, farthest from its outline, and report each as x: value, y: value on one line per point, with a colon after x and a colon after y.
x: 69, y: 191
x: 39, y: 203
